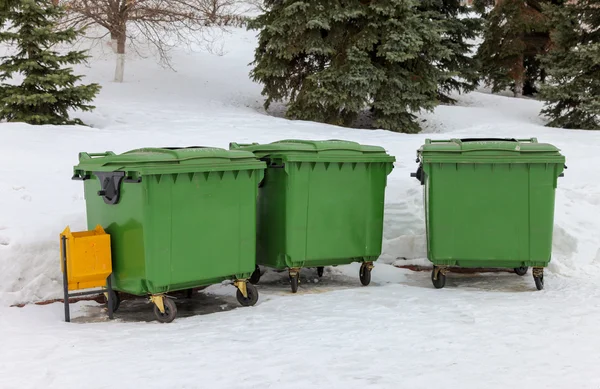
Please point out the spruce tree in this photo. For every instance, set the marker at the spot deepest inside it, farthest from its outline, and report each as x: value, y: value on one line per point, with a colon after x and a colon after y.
x: 332, y: 59
x: 572, y: 92
x: 515, y: 34
x: 5, y: 6
x: 48, y: 88
x: 459, y: 69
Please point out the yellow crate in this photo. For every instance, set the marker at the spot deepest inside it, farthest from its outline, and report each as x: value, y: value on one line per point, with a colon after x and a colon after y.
x: 88, y: 258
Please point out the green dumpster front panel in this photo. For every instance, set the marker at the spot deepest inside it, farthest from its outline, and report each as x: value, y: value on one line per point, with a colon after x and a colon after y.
x: 490, y: 203
x: 189, y: 221
x: 321, y: 202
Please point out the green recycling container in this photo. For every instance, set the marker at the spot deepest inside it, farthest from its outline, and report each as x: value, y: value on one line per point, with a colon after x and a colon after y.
x: 489, y: 203
x: 178, y: 218
x: 321, y: 203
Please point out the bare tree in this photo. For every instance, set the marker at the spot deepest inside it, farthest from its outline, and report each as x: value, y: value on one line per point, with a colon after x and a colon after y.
x: 160, y: 23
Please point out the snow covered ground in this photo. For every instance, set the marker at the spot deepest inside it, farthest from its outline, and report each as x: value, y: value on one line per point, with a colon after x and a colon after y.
x: 491, y: 330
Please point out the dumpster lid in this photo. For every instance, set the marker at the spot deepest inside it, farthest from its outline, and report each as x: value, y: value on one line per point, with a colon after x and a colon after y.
x: 334, y: 149
x: 488, y: 146
x: 174, y: 159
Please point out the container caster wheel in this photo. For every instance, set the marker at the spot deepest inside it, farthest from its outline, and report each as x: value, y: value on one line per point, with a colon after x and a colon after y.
x: 320, y: 271
x: 116, y: 300
x: 538, y: 277
x: 294, y: 281
x: 252, y: 298
x: 438, y: 277
x: 170, y: 311
x: 521, y: 271
x: 255, y: 277
x: 365, y: 273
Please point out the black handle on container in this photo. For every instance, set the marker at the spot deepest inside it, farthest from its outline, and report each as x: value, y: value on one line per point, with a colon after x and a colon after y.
x: 182, y: 148
x: 563, y: 174
x: 80, y: 177
x: 488, y: 139
x: 110, y: 186
x: 419, y: 175
x: 531, y: 140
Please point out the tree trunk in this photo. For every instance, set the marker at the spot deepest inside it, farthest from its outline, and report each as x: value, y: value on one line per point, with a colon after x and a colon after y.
x: 120, y: 69
x: 519, y: 77
x: 519, y: 88
x: 113, y: 42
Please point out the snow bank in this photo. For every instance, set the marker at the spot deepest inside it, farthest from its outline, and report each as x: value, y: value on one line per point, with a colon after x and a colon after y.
x: 210, y: 101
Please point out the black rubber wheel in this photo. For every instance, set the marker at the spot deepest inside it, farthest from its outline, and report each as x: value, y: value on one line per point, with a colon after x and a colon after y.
x: 170, y: 311
x: 252, y: 296
x: 441, y: 279
x: 521, y: 271
x: 116, y: 300
x: 255, y: 277
x: 294, y: 281
x: 320, y: 271
x: 364, y: 275
x: 539, y: 282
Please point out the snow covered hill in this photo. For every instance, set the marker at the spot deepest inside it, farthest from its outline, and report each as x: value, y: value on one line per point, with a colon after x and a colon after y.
x: 491, y: 329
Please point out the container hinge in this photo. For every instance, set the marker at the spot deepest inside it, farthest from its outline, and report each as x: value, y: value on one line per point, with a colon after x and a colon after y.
x: 133, y: 180
x: 272, y: 164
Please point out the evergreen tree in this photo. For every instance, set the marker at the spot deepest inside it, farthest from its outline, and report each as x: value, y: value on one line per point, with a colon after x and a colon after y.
x: 47, y: 90
x: 572, y: 93
x: 515, y: 33
x: 332, y: 59
x: 5, y: 6
x: 459, y: 69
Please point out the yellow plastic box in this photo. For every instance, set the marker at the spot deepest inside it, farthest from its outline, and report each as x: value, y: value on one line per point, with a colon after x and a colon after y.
x: 88, y: 258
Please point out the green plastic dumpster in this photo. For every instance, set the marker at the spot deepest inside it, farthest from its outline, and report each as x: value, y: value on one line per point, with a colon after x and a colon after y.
x: 320, y: 204
x: 489, y: 203
x: 178, y: 218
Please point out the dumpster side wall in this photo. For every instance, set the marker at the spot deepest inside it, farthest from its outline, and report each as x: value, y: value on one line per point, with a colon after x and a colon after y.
x: 124, y: 222
x: 490, y: 214
x: 179, y: 231
x: 202, y: 229
x: 321, y: 213
x: 272, y: 226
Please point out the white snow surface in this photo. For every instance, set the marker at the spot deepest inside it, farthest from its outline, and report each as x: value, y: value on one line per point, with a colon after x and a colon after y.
x: 484, y: 330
